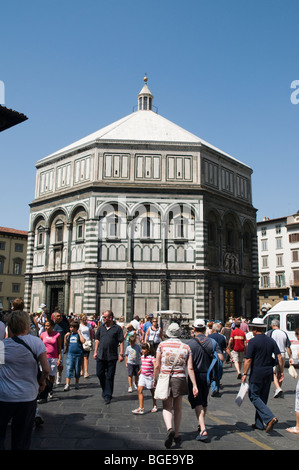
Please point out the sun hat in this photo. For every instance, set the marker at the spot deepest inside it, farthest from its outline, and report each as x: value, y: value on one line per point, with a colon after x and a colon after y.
x: 173, y: 331
x: 199, y: 323
x: 258, y: 322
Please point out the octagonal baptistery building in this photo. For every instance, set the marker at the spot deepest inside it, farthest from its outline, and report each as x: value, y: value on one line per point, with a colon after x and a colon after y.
x: 143, y: 216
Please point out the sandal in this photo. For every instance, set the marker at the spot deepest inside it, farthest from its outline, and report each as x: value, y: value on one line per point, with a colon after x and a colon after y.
x: 293, y: 430
x: 138, y: 411
x: 201, y: 437
x: 155, y: 409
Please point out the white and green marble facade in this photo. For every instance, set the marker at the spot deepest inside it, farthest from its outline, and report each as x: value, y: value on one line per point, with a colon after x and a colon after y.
x: 142, y: 216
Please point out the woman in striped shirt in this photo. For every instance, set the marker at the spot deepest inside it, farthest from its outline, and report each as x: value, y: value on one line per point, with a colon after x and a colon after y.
x: 146, y: 377
x: 174, y: 357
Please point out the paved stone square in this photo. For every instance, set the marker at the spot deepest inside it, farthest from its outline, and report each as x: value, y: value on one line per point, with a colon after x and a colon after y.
x: 80, y: 420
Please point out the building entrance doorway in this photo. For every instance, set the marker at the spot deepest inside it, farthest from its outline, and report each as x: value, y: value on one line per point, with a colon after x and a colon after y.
x: 56, y: 298
x: 229, y: 303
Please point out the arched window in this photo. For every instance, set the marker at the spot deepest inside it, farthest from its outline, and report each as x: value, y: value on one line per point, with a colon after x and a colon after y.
x: 59, y: 231
x: 80, y: 229
x: 146, y: 227
x: 113, y: 226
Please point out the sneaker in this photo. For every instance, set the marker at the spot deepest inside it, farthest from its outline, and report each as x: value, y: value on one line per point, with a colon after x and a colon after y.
x: 42, y: 400
x: 130, y: 390
x: 277, y: 393
x: 76, y: 386
x: 135, y: 386
x: 38, y: 420
x: 138, y: 411
x: 66, y: 388
x: 58, y: 380
x: 50, y: 395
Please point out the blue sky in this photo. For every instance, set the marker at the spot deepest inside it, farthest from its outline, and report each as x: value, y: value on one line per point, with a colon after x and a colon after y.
x: 220, y: 69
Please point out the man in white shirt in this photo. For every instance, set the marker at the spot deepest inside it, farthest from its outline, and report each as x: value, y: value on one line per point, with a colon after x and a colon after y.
x: 284, y: 344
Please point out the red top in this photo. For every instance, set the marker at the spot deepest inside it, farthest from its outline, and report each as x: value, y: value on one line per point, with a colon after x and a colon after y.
x: 239, y: 339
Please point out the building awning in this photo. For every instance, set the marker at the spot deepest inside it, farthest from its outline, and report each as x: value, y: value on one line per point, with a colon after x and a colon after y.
x: 10, y: 118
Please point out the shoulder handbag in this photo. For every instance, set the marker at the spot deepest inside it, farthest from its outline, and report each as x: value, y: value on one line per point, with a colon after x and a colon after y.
x: 49, y: 385
x: 87, y: 345
x: 162, y: 387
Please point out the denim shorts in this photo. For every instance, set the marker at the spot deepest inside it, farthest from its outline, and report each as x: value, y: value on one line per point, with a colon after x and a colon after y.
x: 133, y: 370
x: 73, y: 366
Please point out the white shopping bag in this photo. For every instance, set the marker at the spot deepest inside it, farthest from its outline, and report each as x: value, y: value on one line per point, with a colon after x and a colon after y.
x: 241, y: 394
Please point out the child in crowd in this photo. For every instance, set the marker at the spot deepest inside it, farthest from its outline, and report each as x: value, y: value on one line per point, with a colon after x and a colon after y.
x: 130, y: 332
x: 146, y: 377
x: 132, y: 360
x: 73, y: 343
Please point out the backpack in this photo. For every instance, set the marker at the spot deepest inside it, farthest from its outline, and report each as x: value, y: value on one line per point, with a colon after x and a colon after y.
x: 33, y: 330
x: 213, y: 370
x: 288, y: 342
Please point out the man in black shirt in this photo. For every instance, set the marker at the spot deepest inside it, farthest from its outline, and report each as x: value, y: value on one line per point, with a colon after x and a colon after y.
x: 202, y: 349
x: 109, y: 336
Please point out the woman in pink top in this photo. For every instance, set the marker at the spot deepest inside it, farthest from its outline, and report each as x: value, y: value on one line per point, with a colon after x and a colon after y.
x: 52, y: 341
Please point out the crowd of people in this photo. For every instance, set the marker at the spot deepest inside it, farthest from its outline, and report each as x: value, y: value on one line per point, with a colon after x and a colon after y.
x: 35, y: 346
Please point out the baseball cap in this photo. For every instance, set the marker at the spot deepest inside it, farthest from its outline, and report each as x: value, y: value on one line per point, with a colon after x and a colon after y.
x: 199, y: 323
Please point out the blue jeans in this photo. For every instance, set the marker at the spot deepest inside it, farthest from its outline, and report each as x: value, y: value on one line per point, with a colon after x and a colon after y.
x: 215, y: 383
x: 105, y: 373
x: 73, y: 366
x: 258, y: 394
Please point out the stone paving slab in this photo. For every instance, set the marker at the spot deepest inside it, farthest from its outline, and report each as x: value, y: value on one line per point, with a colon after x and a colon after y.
x: 80, y: 420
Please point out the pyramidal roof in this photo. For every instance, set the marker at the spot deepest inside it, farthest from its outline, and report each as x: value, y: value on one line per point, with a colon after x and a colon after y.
x: 143, y: 125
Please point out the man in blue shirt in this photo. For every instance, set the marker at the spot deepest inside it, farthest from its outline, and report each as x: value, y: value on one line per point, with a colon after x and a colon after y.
x: 147, y: 325
x: 220, y: 339
x: 259, y: 359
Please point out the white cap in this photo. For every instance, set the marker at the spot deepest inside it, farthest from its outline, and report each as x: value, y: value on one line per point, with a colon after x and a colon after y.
x: 199, y: 323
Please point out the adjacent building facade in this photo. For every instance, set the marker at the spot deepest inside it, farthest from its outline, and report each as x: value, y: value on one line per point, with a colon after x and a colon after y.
x: 142, y: 216
x: 13, y: 248
x: 278, y: 247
